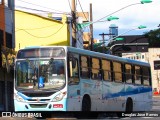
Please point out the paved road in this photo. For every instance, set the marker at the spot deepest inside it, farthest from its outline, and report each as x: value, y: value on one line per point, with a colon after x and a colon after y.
x: 156, y: 103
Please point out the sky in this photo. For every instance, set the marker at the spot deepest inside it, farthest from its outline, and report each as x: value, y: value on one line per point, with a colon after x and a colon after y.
x: 130, y: 17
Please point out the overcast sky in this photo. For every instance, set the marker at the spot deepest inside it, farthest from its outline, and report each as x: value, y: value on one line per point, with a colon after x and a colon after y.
x: 129, y: 18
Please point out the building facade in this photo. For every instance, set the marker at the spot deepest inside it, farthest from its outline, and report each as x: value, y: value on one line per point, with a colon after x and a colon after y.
x: 141, y: 56
x: 113, y: 31
x: 7, y: 42
x: 154, y: 60
x: 35, y: 30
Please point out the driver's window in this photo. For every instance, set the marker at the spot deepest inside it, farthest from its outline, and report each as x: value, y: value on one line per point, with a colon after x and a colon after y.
x: 73, y: 64
x: 73, y: 69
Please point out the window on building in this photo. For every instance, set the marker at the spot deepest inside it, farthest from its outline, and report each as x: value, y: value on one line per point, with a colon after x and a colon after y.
x: 137, y: 57
x: 134, y: 57
x: 117, y: 71
x: 106, y: 67
x: 142, y: 56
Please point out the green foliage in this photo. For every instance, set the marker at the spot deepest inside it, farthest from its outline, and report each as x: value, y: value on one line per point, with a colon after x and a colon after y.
x: 154, y: 38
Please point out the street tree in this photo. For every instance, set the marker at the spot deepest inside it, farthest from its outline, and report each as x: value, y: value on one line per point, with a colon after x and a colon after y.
x: 154, y: 38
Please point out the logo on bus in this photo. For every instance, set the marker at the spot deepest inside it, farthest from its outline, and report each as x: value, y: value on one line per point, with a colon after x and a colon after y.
x: 37, y: 99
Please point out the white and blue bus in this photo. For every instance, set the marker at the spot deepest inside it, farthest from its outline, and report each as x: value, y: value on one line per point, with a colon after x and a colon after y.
x: 61, y: 78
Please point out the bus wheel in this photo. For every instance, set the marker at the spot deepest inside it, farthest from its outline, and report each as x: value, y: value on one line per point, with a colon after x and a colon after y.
x: 129, y: 105
x: 86, y: 103
x: 86, y: 106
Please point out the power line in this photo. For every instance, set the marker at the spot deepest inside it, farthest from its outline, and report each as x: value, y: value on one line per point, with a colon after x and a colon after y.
x: 114, y: 12
x: 41, y: 6
x: 79, y: 35
x: 39, y: 10
x: 82, y: 10
x: 44, y: 36
x: 70, y: 5
x: 35, y: 28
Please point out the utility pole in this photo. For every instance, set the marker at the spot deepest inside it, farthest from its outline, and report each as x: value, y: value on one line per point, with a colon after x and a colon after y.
x: 91, y: 28
x: 73, y: 24
x: 103, y: 35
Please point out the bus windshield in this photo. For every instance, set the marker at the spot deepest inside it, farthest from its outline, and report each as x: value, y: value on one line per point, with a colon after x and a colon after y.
x: 40, y: 74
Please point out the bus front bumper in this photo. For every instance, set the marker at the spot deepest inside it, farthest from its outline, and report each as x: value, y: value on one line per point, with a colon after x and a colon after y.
x: 39, y: 106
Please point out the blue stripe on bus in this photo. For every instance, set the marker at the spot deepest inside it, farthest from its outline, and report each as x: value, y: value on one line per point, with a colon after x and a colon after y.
x: 24, y: 97
x: 126, y: 93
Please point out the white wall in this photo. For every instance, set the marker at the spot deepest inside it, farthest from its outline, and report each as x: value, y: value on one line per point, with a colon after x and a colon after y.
x: 154, y: 55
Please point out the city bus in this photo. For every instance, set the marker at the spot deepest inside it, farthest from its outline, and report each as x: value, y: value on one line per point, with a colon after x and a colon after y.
x: 63, y: 78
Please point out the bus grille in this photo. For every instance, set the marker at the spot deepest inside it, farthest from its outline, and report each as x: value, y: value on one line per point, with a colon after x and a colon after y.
x: 38, y: 94
x: 39, y: 100
x: 38, y: 105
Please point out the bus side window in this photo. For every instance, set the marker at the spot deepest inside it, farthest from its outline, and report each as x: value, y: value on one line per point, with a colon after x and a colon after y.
x: 84, y: 67
x: 137, y: 75
x: 95, y: 70
x: 128, y: 73
x: 106, y: 67
x: 117, y: 71
x: 146, y: 76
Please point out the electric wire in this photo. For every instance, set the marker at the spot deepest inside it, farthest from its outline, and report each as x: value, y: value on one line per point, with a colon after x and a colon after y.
x: 82, y: 10
x: 39, y: 10
x: 35, y: 28
x: 44, y: 36
x: 41, y: 6
x: 79, y: 36
x: 70, y: 5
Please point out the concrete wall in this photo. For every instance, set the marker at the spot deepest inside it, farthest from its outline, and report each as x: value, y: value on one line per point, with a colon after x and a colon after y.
x: 154, y: 54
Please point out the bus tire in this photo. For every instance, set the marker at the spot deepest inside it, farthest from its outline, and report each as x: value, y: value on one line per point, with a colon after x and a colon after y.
x: 86, y: 103
x: 129, y: 105
x: 86, y: 107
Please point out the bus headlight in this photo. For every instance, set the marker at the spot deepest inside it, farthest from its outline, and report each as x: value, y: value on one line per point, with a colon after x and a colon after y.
x: 18, y: 98
x: 59, y: 96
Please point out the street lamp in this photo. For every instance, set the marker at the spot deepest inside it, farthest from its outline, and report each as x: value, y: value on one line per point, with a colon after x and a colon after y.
x: 86, y: 24
x: 107, y: 19
x: 141, y: 2
x: 145, y: 1
x: 89, y: 23
x: 112, y: 17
